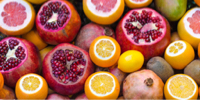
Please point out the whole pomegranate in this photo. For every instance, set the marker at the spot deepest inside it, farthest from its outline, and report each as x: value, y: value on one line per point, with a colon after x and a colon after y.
x: 17, y: 58
x: 81, y: 97
x: 55, y: 96
x: 144, y: 30
x: 57, y: 22
x: 89, y: 32
x: 66, y: 68
x: 143, y: 84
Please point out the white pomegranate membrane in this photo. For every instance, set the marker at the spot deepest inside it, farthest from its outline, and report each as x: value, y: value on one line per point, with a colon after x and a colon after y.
x: 15, y: 15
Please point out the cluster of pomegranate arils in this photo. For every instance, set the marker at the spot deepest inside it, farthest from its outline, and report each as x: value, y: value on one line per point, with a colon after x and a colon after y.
x: 67, y: 65
x: 54, y: 8
x: 143, y: 18
x: 7, y: 63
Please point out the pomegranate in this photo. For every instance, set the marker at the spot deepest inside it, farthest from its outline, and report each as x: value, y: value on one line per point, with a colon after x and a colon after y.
x: 89, y: 32
x: 57, y: 97
x: 81, y: 97
x: 66, y: 68
x: 143, y: 84
x: 57, y: 22
x: 17, y: 58
x: 7, y: 93
x: 144, y: 30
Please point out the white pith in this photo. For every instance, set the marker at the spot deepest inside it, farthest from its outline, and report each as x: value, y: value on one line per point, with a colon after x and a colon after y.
x: 179, y: 51
x: 113, y: 88
x: 30, y: 92
x: 11, y: 53
x: 138, y: 2
x: 92, y: 8
x: 187, y: 24
x: 106, y: 58
x: 53, y: 18
x: 26, y: 21
x: 179, y: 97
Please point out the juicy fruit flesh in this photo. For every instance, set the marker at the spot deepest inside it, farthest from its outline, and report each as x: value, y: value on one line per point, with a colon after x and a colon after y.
x: 31, y: 83
x: 194, y: 22
x: 68, y: 65
x: 181, y: 87
x: 104, y: 5
x: 104, y: 48
x: 138, y: 0
x: 14, y: 14
x: 54, y: 15
x: 176, y: 47
x: 143, y: 27
x: 11, y: 54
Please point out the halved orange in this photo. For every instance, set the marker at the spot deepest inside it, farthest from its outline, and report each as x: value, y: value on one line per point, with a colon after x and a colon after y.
x: 137, y: 3
x: 179, y: 54
x: 102, y: 85
x: 103, y: 12
x: 181, y: 86
x: 104, y: 51
x: 31, y: 86
x: 188, y: 27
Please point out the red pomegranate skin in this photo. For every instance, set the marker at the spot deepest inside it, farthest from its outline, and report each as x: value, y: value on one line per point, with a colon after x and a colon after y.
x: 53, y: 82
x: 65, y: 35
x: 30, y: 65
x: 7, y: 93
x: 57, y: 97
x: 81, y: 97
x: 156, y: 49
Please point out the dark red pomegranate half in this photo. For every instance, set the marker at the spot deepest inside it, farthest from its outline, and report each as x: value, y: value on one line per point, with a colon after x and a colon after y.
x: 144, y: 30
x: 17, y: 58
x: 57, y: 22
x: 66, y: 68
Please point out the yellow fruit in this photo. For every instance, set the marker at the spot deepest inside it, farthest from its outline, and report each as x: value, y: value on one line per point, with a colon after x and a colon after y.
x: 38, y: 2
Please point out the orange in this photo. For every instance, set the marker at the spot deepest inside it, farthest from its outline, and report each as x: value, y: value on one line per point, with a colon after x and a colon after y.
x: 38, y: 2
x: 31, y: 86
x: 181, y: 86
x: 1, y: 81
x: 197, y: 2
x: 44, y: 51
x: 34, y: 37
x: 102, y: 85
x: 179, y: 54
x: 104, y: 51
x: 198, y: 50
x: 103, y: 12
x: 137, y: 3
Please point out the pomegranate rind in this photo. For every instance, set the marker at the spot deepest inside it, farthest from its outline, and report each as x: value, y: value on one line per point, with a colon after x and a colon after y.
x: 133, y: 4
x: 148, y: 50
x: 23, y: 30
x: 69, y: 88
x: 64, y: 35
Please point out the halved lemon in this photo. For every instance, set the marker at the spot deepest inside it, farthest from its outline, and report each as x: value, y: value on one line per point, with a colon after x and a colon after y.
x: 102, y: 85
x: 31, y: 86
x: 181, y: 86
x: 104, y: 51
x: 137, y: 3
x: 179, y: 54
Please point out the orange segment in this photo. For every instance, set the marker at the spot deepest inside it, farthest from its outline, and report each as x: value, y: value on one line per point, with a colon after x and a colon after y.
x: 137, y: 3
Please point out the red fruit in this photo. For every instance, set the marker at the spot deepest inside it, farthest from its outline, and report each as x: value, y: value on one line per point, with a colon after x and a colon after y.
x: 89, y: 32
x: 58, y: 22
x: 17, y: 58
x: 7, y: 93
x: 144, y: 30
x: 143, y: 84
x: 66, y: 68
x: 81, y: 97
x: 57, y: 97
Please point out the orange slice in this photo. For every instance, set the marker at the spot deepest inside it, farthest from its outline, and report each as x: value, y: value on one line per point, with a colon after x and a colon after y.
x: 104, y: 51
x: 181, y: 86
x: 102, y: 85
x: 31, y: 86
x: 103, y: 11
x: 137, y: 3
x: 179, y: 54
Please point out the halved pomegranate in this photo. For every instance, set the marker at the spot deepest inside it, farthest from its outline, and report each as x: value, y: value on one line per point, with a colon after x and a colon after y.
x: 17, y: 58
x: 144, y: 30
x: 57, y: 22
x: 66, y: 68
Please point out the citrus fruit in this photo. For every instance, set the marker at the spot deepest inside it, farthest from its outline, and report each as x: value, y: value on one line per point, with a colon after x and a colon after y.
x: 103, y: 11
x: 44, y: 51
x: 130, y: 61
x: 31, y: 86
x: 38, y: 2
x: 104, y: 51
x: 179, y: 54
x: 102, y: 85
x: 1, y: 81
x: 137, y: 3
x: 34, y: 37
x: 198, y: 50
x: 181, y: 86
x: 197, y: 2
x: 17, y: 17
x: 188, y: 27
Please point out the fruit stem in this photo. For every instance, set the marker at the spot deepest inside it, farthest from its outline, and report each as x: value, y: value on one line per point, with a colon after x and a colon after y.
x: 148, y: 81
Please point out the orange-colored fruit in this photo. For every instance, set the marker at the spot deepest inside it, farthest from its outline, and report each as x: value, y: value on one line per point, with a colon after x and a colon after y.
x: 44, y: 51
x: 102, y: 85
x: 197, y: 2
x: 181, y: 86
x: 137, y: 3
x: 31, y: 86
x: 1, y: 81
x: 104, y: 51
x: 198, y: 50
x: 103, y: 11
x: 38, y: 2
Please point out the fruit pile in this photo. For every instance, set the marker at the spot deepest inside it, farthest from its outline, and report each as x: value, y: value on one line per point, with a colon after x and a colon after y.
x: 99, y: 49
